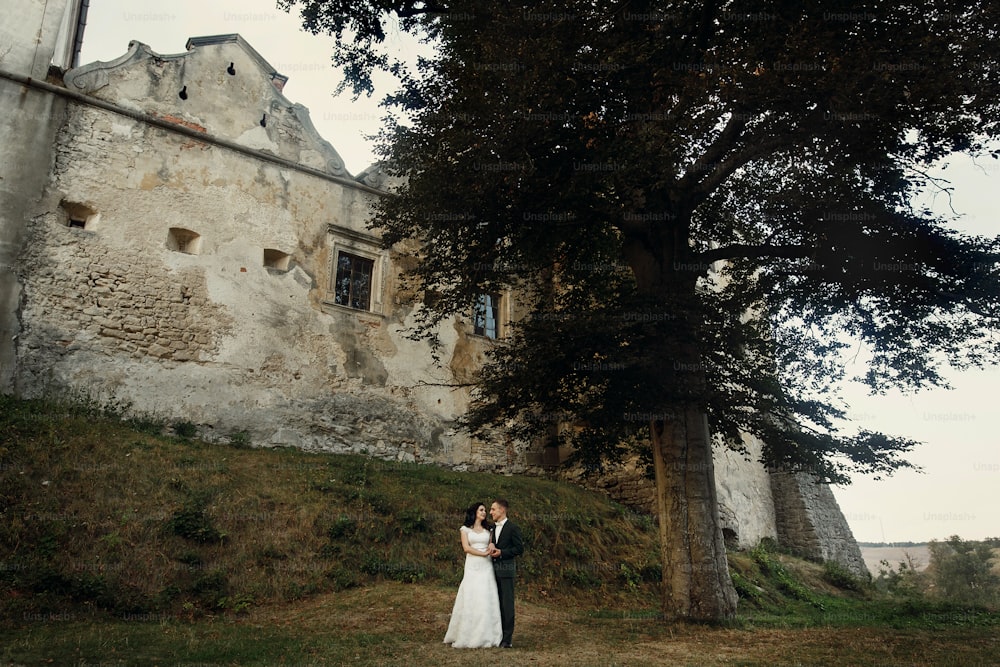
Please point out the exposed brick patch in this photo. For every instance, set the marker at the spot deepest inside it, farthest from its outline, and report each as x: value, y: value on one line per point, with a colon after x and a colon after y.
x: 178, y: 121
x: 79, y: 287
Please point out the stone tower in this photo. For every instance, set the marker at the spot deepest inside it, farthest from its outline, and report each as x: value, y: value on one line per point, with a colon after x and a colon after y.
x: 36, y: 35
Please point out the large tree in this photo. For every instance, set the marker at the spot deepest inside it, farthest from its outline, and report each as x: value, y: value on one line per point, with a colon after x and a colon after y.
x: 699, y: 204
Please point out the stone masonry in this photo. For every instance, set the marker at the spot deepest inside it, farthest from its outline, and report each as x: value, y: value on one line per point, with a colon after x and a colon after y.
x: 811, y: 524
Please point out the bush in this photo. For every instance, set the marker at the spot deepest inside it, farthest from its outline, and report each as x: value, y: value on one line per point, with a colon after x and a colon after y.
x: 837, y: 575
x: 240, y: 439
x: 962, y: 573
x: 413, y: 521
x: 211, y: 589
x: 581, y: 576
x: 905, y: 580
x: 185, y: 429
x: 345, y: 526
x: 342, y: 578
x: 191, y: 523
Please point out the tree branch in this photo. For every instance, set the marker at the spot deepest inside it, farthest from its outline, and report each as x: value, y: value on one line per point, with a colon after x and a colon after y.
x: 726, y: 168
x: 748, y: 251
x: 756, y: 145
x: 722, y: 144
x: 428, y: 8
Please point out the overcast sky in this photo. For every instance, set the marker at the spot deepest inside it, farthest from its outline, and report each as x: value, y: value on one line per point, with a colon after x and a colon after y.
x: 956, y: 494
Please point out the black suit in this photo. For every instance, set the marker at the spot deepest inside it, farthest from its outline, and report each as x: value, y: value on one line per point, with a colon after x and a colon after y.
x: 511, y: 546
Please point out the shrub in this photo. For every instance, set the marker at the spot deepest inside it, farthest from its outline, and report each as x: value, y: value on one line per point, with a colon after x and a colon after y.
x: 345, y: 526
x: 240, y: 439
x: 211, y: 588
x: 837, y: 575
x: 342, y: 578
x: 236, y: 603
x: 962, y: 573
x: 413, y: 521
x: 185, y: 429
x: 191, y: 523
x: 581, y: 576
x: 631, y: 577
x: 904, y: 581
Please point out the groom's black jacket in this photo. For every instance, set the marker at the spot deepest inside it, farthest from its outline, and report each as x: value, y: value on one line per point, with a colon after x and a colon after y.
x: 511, y: 546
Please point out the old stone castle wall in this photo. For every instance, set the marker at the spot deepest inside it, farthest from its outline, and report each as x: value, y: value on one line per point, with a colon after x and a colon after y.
x: 31, y: 119
x: 150, y: 275
x: 811, y: 522
x: 182, y: 254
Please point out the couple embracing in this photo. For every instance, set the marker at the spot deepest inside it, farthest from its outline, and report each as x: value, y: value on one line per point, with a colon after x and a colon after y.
x: 483, y: 615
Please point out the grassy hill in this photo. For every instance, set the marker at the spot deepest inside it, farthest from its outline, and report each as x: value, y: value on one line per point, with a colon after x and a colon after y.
x: 104, y: 515
x: 115, y: 535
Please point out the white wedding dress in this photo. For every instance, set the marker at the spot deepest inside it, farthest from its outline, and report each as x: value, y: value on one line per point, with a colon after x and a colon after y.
x: 475, y: 618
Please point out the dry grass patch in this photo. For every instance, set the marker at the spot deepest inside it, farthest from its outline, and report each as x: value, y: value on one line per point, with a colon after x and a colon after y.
x: 416, y: 616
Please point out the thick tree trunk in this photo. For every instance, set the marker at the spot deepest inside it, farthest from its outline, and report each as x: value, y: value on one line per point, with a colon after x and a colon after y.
x: 696, y: 578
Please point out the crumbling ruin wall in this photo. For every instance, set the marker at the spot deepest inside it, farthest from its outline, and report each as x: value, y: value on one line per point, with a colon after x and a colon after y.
x: 810, y: 523
x: 193, y: 279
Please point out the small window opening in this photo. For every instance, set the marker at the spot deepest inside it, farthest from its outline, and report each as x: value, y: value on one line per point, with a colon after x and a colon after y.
x: 486, y: 315
x: 184, y: 240
x: 353, y: 284
x: 275, y: 259
x: 79, y: 216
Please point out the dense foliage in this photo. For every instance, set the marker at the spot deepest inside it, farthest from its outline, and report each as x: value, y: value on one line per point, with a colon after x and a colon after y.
x: 960, y: 571
x: 608, y: 155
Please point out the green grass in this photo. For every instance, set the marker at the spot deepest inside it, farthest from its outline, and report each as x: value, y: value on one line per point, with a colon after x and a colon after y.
x: 158, y: 643
x: 123, y: 544
x: 99, y: 516
x: 396, y: 623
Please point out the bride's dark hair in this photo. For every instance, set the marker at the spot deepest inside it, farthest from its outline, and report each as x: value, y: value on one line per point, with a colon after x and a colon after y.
x: 470, y: 516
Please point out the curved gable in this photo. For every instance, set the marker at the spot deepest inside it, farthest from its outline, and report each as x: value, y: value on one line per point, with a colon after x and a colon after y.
x: 220, y: 86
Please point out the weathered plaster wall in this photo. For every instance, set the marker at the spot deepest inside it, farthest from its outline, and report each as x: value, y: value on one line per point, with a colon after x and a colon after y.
x: 746, y: 507
x: 28, y: 35
x: 216, y: 337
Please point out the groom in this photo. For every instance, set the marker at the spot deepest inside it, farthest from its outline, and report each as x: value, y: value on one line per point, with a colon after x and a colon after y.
x: 507, y: 546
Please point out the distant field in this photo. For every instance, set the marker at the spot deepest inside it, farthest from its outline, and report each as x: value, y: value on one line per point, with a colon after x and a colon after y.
x: 920, y: 556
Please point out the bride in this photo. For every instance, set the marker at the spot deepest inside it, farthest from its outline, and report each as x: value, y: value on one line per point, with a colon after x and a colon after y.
x: 475, y: 618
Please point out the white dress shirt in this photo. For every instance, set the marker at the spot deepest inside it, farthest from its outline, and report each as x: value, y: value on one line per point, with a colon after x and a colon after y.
x: 499, y: 527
